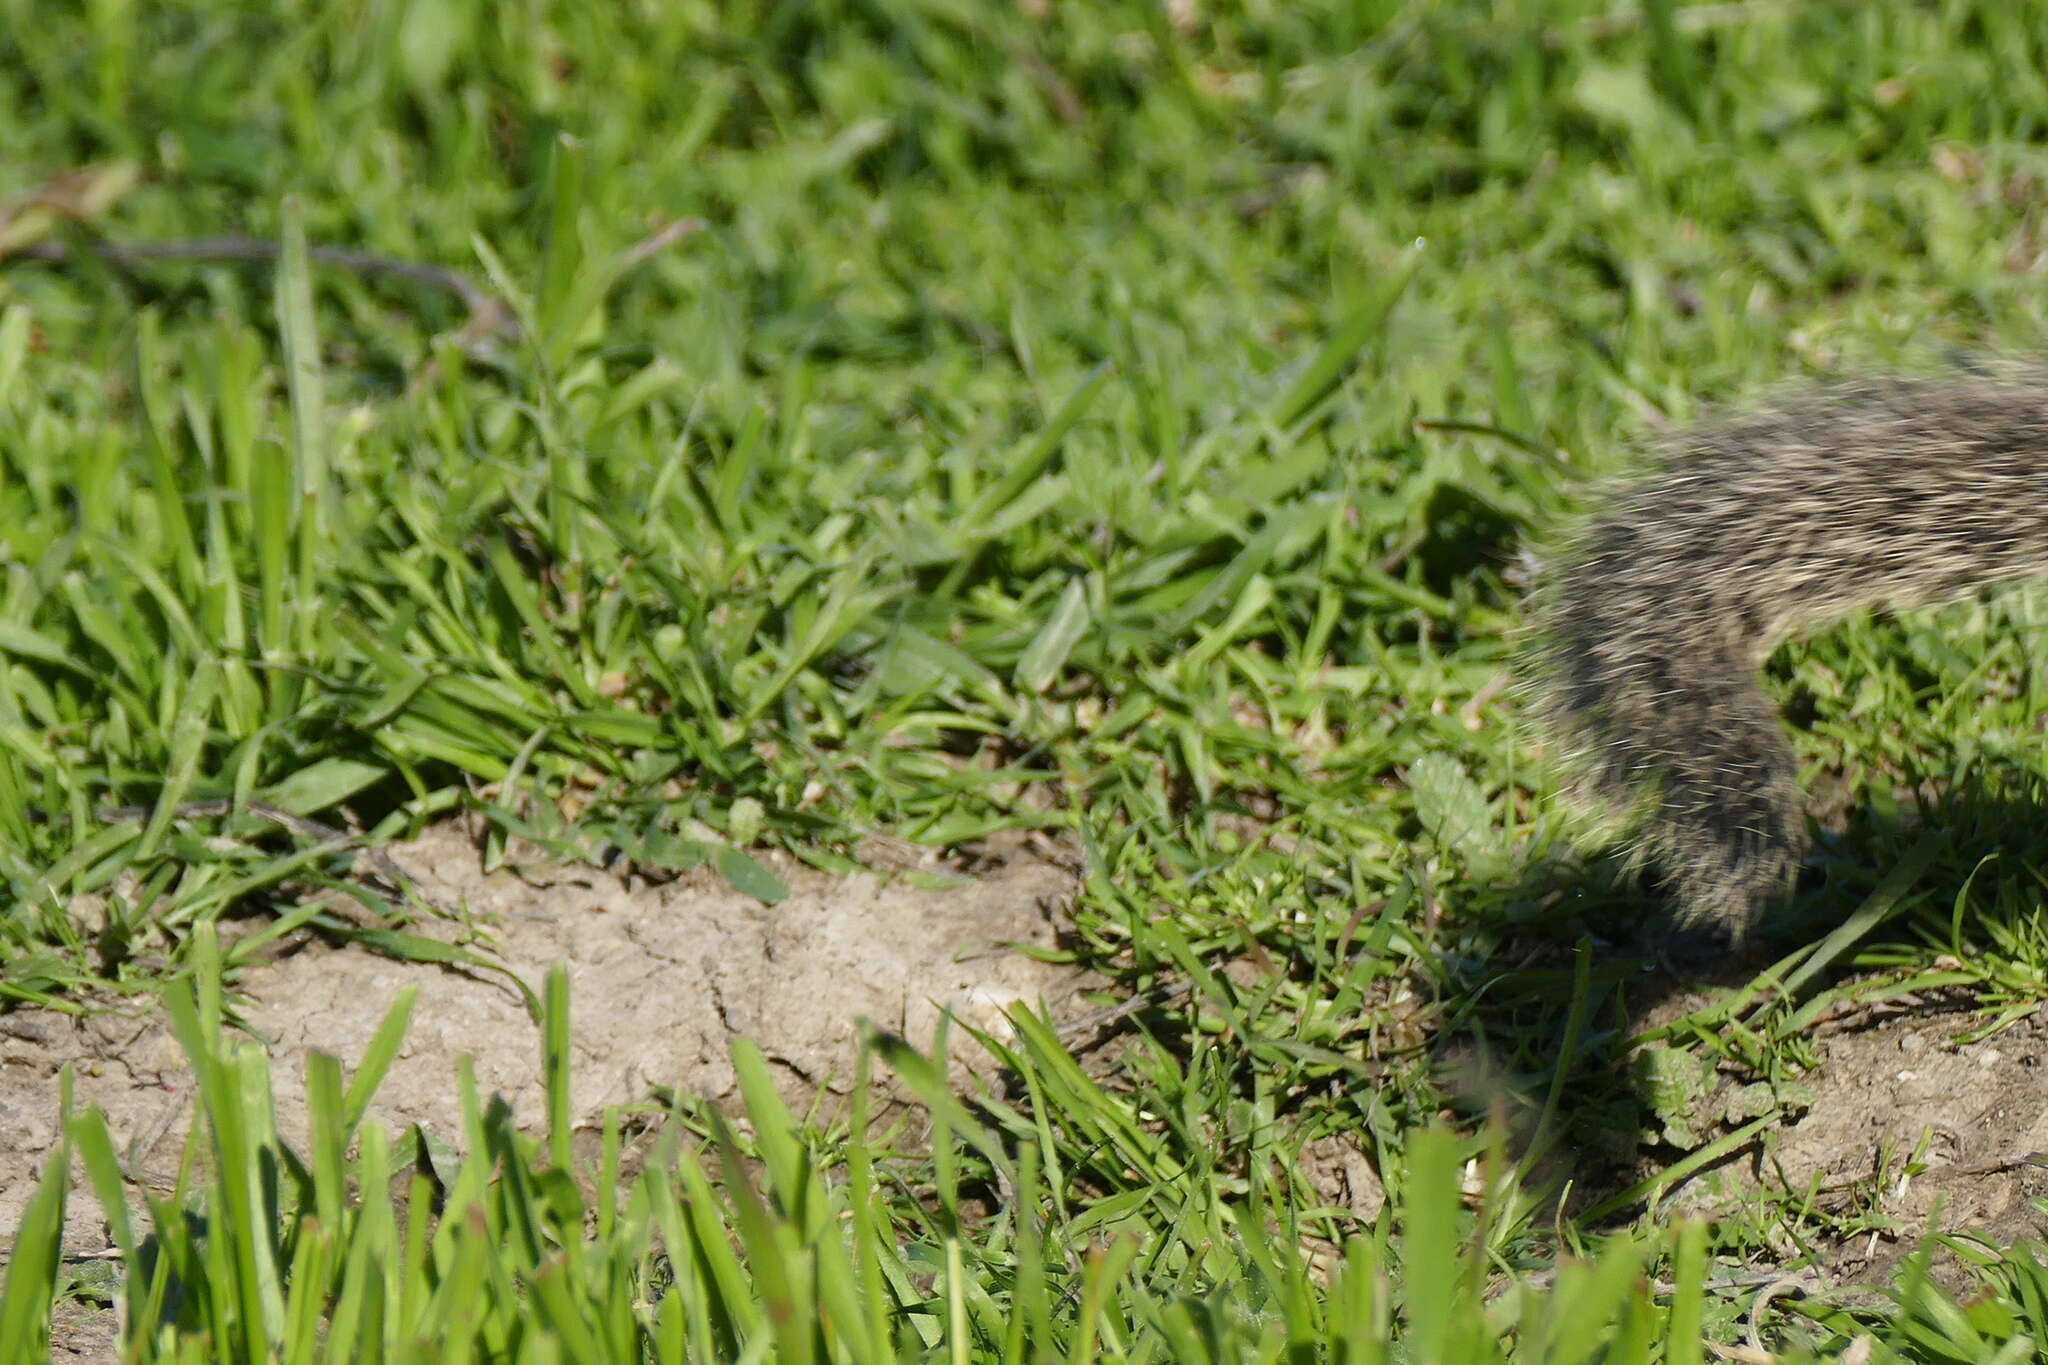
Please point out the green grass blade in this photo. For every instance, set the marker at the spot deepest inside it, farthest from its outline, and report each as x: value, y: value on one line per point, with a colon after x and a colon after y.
x: 37, y: 1254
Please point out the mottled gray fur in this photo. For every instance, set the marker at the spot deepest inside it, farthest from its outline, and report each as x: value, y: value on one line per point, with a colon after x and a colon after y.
x: 1655, y: 620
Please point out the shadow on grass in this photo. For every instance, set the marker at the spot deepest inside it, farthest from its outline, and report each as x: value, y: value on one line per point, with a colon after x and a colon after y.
x: 1601, y: 1032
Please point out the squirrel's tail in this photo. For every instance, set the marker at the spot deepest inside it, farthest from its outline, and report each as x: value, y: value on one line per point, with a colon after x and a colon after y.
x: 1653, y: 624
x: 1669, y: 725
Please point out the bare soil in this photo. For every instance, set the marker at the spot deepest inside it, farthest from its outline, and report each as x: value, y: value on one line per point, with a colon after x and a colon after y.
x: 1908, y: 1128
x: 662, y: 978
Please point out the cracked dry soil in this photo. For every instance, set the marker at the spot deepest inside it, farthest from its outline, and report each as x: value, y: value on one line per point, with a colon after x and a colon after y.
x: 662, y: 978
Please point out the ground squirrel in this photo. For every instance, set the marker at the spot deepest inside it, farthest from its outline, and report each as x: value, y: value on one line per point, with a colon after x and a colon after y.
x: 1657, y: 616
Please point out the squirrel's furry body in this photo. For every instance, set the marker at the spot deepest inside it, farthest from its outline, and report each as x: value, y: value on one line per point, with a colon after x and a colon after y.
x: 1657, y: 618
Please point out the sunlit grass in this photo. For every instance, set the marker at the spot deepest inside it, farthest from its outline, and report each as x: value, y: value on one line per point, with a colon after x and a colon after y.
x: 1123, y: 419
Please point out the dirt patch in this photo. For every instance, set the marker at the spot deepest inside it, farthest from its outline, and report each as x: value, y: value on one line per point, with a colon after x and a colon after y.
x: 1892, y: 1092
x: 662, y: 978
x: 1337, y: 1169
x: 81, y: 1332
x: 1973, y: 1115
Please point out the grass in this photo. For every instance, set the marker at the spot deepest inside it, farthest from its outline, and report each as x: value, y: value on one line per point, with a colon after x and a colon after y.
x: 795, y: 1245
x: 1120, y: 419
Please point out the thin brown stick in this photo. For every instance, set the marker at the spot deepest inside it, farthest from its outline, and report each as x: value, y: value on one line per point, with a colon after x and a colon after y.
x: 1103, y: 1018
x: 657, y: 242
x: 489, y: 315
x: 385, y: 865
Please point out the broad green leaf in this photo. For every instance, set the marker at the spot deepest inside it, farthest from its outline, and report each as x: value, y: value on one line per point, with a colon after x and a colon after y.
x: 749, y: 876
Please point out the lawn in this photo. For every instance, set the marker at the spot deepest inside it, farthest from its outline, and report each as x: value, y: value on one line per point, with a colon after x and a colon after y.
x: 704, y: 433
